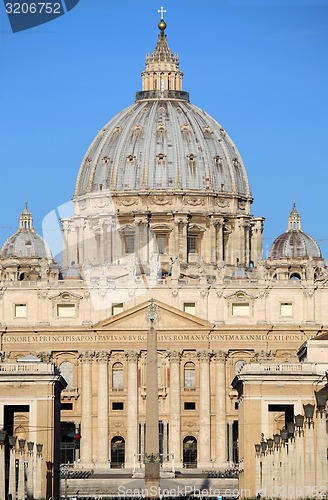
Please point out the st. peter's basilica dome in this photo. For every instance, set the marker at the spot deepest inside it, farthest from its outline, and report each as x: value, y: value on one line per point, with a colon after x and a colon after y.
x: 162, y: 142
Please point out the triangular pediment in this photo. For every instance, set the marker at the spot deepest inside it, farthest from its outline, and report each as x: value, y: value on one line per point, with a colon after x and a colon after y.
x: 166, y: 318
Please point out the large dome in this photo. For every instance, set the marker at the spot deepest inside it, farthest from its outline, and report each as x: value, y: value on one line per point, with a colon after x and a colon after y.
x: 162, y: 142
x: 162, y: 178
x: 162, y: 145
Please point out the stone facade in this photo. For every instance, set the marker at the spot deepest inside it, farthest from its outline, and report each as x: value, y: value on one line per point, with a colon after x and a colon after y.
x: 162, y: 210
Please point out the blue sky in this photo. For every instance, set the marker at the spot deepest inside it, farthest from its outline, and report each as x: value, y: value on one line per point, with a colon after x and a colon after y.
x: 259, y: 67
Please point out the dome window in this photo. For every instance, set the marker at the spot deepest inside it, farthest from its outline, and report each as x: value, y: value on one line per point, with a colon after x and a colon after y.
x: 116, y: 133
x: 192, y: 163
x: 161, y: 159
x: 161, y: 129
x: 105, y: 160
x: 137, y: 131
x: 208, y: 132
x: 131, y: 160
x: 218, y: 161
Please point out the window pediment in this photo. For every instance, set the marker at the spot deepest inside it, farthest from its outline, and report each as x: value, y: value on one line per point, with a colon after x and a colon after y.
x: 65, y: 297
x: 241, y: 297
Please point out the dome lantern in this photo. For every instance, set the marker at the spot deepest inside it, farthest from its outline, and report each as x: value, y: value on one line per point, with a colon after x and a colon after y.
x: 162, y: 77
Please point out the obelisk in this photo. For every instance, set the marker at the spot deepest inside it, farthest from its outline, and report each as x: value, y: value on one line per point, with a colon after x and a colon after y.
x: 152, y: 456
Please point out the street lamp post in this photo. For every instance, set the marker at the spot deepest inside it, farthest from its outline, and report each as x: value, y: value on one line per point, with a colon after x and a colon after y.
x: 38, y: 478
x: 12, y: 467
x: 30, y: 446
x: 21, y: 471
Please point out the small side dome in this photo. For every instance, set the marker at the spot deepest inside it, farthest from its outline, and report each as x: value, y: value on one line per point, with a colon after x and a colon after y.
x: 25, y: 242
x: 73, y: 272
x: 294, y: 243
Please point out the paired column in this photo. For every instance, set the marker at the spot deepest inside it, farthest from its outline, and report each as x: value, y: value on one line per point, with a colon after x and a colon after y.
x: 175, y: 409
x: 86, y: 413
x: 132, y: 410
x: 204, y: 445
x: 103, y: 452
x: 220, y: 409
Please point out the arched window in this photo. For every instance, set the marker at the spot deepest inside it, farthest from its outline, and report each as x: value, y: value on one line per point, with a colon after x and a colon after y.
x: 190, y: 452
x: 66, y: 369
x: 295, y: 276
x: 117, y: 452
x: 117, y: 377
x: 189, y: 376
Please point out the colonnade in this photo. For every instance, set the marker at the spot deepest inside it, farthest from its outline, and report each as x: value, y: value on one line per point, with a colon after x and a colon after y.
x: 210, y: 426
x: 234, y: 241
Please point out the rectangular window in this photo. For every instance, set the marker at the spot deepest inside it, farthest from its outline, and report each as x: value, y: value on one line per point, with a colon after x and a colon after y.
x: 161, y: 240
x: 117, y: 309
x: 192, y: 244
x: 240, y: 310
x: 20, y: 311
x: 66, y: 310
x: 286, y: 309
x: 117, y: 380
x: 189, y: 307
x: 190, y: 405
x: 189, y: 378
x: 129, y: 243
x: 117, y: 405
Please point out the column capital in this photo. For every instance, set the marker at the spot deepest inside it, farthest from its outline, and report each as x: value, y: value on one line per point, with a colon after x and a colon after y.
x: 87, y: 356
x: 132, y: 356
x: 174, y: 356
x: 181, y: 219
x: 216, y: 221
x: 141, y: 220
x: 219, y: 356
x: 102, y: 356
x: 204, y: 356
x: 45, y: 356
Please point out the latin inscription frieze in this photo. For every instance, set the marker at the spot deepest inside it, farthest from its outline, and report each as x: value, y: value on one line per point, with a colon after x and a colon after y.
x: 161, y: 337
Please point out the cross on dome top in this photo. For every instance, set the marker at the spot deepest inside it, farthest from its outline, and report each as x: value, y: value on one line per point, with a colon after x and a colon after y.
x: 162, y: 11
